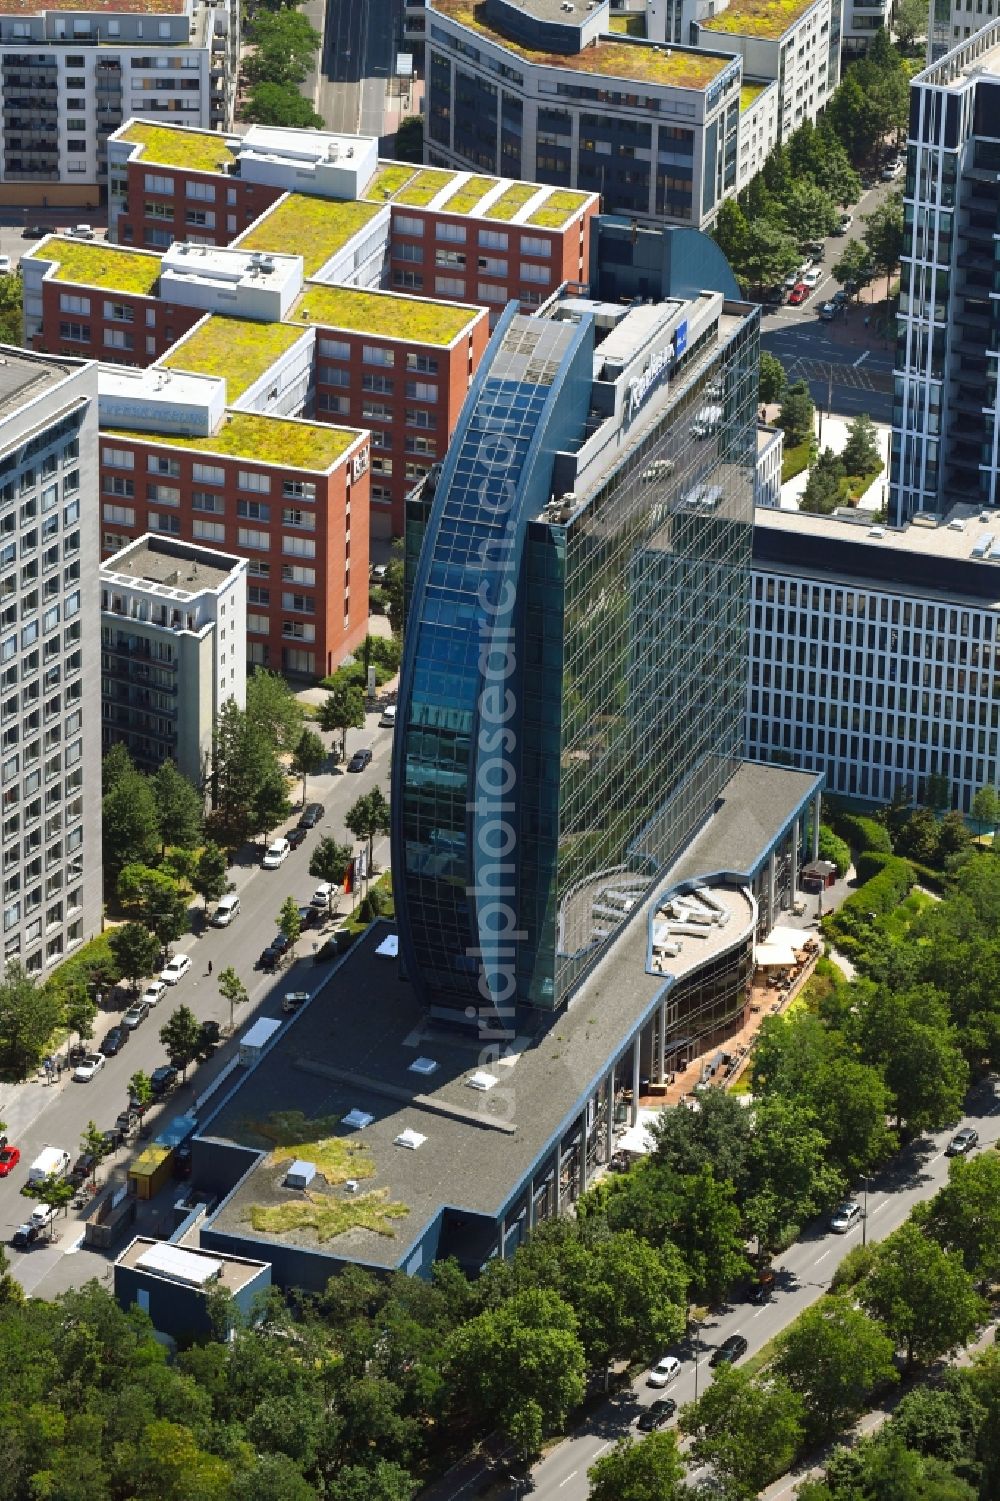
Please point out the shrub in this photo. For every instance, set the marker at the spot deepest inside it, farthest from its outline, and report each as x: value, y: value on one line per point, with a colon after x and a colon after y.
x: 862, y: 833
x: 871, y: 863
x: 880, y: 895
x: 834, y: 849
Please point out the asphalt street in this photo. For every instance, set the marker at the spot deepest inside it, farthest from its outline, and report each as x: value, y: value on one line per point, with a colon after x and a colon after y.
x: 848, y: 367
x: 39, y: 1115
x: 805, y: 1273
x: 358, y: 57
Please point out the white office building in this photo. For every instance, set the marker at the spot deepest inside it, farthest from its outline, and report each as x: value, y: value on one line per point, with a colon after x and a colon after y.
x: 50, y: 762
x: 875, y: 653
x: 71, y: 76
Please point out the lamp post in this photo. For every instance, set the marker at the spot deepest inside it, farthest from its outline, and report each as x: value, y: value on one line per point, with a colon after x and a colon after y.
x: 864, y: 1213
x: 697, y: 1353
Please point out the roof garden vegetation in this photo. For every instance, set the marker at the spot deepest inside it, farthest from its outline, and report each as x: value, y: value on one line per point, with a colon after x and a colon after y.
x: 760, y: 18
x: 425, y: 186
x: 511, y: 201
x: 285, y: 441
x: 327, y: 1216
x: 468, y: 195
x: 390, y: 177
x: 416, y: 318
x: 94, y: 263
x: 168, y: 146
x: 315, y: 228
x: 556, y: 209
x: 633, y: 60
x: 629, y: 25
x: 749, y: 94
x: 237, y: 348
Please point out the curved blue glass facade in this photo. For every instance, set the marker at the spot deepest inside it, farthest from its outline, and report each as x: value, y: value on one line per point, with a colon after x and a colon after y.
x: 457, y: 756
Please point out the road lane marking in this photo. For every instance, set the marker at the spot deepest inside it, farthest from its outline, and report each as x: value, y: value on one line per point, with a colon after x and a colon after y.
x: 71, y: 1250
x: 884, y: 1205
x: 823, y: 1257
x: 861, y: 358
x: 757, y: 1314
x: 571, y: 1476
x: 602, y: 1449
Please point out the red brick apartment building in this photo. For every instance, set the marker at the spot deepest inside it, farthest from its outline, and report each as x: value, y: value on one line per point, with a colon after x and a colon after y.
x: 291, y: 496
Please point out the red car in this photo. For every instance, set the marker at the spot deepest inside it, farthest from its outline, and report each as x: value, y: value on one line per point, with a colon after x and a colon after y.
x: 9, y: 1158
x: 798, y: 294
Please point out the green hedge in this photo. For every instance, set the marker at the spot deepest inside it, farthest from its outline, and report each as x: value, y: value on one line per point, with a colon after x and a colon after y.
x: 862, y: 833
x: 851, y: 925
x: 834, y: 849
x: 871, y: 863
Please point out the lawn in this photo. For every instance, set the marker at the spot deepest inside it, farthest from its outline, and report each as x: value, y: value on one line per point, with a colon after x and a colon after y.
x: 556, y: 209
x: 897, y: 924
x: 415, y: 318
x: 511, y: 200
x: 855, y: 485
x: 237, y: 348
x: 170, y: 146
x: 794, y: 460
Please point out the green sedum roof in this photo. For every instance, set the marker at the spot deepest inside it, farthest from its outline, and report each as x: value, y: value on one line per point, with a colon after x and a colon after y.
x: 464, y: 200
x: 168, y: 146
x: 266, y: 440
x: 769, y: 19
x: 390, y: 177
x: 415, y: 318
x: 315, y: 228
x: 556, y: 209
x: 511, y: 201
x: 237, y: 348
x: 425, y: 186
x: 94, y: 263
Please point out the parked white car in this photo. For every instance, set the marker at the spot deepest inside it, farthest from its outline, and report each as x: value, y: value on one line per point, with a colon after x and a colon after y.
x: 320, y: 898
x: 845, y: 1217
x: 175, y: 969
x: 88, y: 1067
x: 664, y: 1371
x: 813, y: 278
x: 276, y: 854
x: 154, y: 992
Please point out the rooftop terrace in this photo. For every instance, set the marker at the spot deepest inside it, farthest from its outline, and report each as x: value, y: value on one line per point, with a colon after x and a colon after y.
x: 415, y: 318
x: 315, y: 228
x: 95, y: 263
x: 236, y: 348
x: 633, y: 60
x: 312, y: 446
x: 769, y: 19
x: 173, y: 146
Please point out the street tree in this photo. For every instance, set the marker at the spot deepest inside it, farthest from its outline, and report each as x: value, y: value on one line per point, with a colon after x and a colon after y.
x: 630, y: 1299
x: 797, y: 415
x: 273, y: 707
x: 244, y: 758
x: 854, y: 264
x: 909, y: 22
x: 343, y: 709
x: 328, y: 862
x: 884, y: 236
x: 748, y: 1429
x: 789, y: 1162
x: 210, y: 876
x: 140, y: 1091
x: 309, y: 756
x: 271, y: 804
x: 860, y: 453
x: 730, y: 233
x: 519, y: 1365
x: 117, y: 764
x: 233, y: 990
x: 649, y: 1471
x: 79, y: 1010
x: 772, y: 379
x: 130, y: 823
x: 29, y: 1014
x: 823, y: 491
x: 964, y: 1215
x: 55, y: 1192
x: 135, y: 949
x: 181, y: 1036
x: 717, y: 1136
x: 367, y: 817
x: 93, y: 1144
x: 284, y: 47
x: 835, y: 1357
x: 179, y: 808
x: 921, y: 1294
x: 393, y: 589
x: 289, y: 920
x: 809, y: 212
x: 770, y: 255
x: 155, y: 900
x: 985, y: 810
x: 384, y: 1480
x: 908, y: 1035
x: 280, y: 104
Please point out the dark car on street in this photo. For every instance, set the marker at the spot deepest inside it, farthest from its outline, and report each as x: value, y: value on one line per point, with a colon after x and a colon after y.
x: 311, y: 815
x: 730, y: 1351
x: 656, y: 1414
x: 25, y: 1235
x: 115, y: 1041
x: 274, y: 953
x: 163, y: 1079
x: 360, y: 759
x: 297, y: 836
x: 209, y: 1038
x: 310, y: 917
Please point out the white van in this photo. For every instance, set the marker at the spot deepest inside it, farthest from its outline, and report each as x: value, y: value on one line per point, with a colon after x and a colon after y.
x: 228, y: 908
x: 50, y: 1162
x: 387, y: 719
